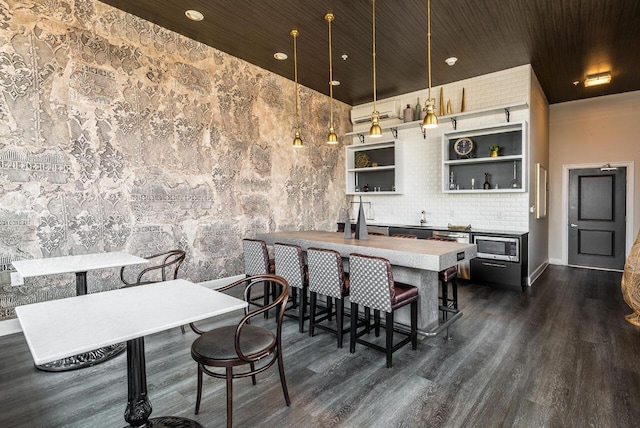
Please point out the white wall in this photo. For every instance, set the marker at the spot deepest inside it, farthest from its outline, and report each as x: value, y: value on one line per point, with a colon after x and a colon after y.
x: 593, y: 131
x: 423, y: 159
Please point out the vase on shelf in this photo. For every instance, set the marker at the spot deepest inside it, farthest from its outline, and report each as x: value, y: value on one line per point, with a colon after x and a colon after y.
x: 441, y: 102
x: 408, y: 114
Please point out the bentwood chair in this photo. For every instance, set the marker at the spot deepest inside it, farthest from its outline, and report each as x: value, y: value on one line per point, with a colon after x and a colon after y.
x: 163, y: 266
x: 257, y: 262
x: 327, y: 278
x: 372, y: 286
x: 243, y: 344
x: 289, y: 261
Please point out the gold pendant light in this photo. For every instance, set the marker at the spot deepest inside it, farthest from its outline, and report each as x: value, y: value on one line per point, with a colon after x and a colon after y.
x: 375, y: 131
x: 430, y: 120
x: 297, y: 140
x: 332, y: 138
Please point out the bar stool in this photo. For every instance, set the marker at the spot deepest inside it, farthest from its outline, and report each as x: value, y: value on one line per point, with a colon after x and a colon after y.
x: 290, y: 265
x: 404, y: 235
x: 448, y: 277
x: 257, y: 262
x: 327, y: 277
x: 372, y: 286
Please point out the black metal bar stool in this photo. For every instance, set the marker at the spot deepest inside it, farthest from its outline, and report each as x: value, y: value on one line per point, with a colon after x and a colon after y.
x: 289, y: 261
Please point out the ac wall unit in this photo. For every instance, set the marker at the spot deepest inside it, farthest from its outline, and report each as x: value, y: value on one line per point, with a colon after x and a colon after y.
x: 387, y: 109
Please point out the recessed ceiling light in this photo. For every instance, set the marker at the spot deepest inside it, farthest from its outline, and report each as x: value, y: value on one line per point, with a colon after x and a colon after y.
x: 576, y: 82
x: 194, y: 15
x: 451, y: 61
x: 280, y: 56
x: 335, y: 83
x: 597, y: 79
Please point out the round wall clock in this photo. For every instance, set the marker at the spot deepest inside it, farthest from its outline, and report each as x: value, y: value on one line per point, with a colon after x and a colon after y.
x: 463, y: 146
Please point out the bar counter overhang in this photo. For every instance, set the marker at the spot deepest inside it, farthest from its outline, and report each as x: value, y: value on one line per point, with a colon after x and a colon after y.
x: 414, y: 261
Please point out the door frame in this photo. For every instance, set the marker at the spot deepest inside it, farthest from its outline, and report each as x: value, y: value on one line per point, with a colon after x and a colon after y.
x: 565, y: 203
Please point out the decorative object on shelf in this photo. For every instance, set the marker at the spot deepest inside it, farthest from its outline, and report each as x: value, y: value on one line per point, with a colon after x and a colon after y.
x: 375, y: 131
x: 430, y: 120
x: 362, y: 160
x: 361, y: 226
x: 374, y: 164
x: 441, y: 101
x: 494, y: 149
x: 366, y: 188
x: 462, y: 106
x: 408, y: 114
x: 452, y: 180
x: 630, y: 283
x: 514, y: 183
x: 332, y: 138
x: 486, y: 184
x: 449, y: 107
x: 416, y: 112
x: 463, y: 147
x: 473, y: 183
x: 453, y: 227
x: 297, y: 139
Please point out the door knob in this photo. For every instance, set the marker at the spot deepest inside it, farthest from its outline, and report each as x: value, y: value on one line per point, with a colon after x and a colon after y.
x: 573, y: 225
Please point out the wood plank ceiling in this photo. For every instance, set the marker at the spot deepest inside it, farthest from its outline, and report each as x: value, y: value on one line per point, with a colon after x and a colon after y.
x: 564, y: 40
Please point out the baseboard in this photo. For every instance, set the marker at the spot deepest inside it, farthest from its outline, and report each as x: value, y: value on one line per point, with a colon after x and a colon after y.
x: 556, y: 262
x: 536, y: 273
x: 12, y: 326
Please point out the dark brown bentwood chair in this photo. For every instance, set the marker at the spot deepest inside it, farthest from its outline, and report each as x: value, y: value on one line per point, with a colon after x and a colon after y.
x: 372, y: 286
x: 289, y: 261
x: 243, y: 344
x: 257, y: 262
x: 327, y: 278
x: 164, y: 266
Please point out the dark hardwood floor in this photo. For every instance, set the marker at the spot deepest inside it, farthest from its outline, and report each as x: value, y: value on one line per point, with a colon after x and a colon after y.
x: 558, y: 355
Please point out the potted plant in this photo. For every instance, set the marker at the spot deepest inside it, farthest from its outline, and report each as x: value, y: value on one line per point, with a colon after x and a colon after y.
x: 494, y: 150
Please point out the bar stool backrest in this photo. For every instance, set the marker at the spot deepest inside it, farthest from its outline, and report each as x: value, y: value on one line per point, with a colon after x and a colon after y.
x: 289, y: 262
x: 371, y: 282
x: 326, y: 274
x: 256, y: 257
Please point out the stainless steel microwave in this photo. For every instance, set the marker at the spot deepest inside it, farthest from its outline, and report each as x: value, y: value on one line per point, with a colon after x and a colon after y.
x: 497, y: 247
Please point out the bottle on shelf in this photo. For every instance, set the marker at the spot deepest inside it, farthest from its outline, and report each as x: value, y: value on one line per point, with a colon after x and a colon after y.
x: 418, y: 111
x: 486, y: 184
x: 452, y: 181
x: 514, y: 182
x: 366, y: 188
x: 408, y: 114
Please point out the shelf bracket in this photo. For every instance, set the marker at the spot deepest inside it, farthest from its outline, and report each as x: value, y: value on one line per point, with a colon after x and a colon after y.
x: 361, y: 137
x: 507, y: 113
x: 454, y: 122
x: 394, y: 131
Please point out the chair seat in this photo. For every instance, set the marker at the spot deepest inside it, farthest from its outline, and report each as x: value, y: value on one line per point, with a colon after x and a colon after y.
x: 404, y: 294
x: 219, y: 344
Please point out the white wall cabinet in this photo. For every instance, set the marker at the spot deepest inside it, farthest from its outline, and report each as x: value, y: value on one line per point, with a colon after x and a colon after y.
x: 374, y: 168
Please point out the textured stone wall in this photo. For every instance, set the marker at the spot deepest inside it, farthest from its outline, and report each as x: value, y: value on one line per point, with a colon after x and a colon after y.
x: 116, y: 134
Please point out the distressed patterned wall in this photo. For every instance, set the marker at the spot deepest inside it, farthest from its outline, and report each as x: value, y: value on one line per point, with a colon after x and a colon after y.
x: 116, y: 134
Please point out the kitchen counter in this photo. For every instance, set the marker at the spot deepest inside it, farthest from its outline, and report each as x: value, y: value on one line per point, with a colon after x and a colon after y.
x: 432, y: 227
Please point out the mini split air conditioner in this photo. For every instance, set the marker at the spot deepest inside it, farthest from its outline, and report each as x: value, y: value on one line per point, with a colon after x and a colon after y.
x: 387, y: 109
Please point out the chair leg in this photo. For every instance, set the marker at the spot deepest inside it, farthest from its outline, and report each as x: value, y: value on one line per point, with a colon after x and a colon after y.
x: 329, y: 308
x: 389, y: 328
x: 294, y: 297
x: 445, y: 298
x: 283, y: 380
x: 414, y: 325
x: 454, y: 290
x: 302, y: 309
x: 253, y: 369
x: 199, y: 394
x: 367, y: 318
x: 265, y: 297
x: 352, y: 329
x: 376, y: 321
x: 339, y: 320
x: 229, y: 397
x: 182, y: 328
x: 312, y: 313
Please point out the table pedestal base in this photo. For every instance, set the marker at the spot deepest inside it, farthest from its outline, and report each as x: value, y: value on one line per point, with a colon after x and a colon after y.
x: 171, y: 422
x: 86, y: 359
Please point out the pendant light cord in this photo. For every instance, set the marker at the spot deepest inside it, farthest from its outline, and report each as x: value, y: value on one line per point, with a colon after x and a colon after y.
x: 429, y: 42
x: 329, y: 18
x: 373, y: 19
x: 294, y: 34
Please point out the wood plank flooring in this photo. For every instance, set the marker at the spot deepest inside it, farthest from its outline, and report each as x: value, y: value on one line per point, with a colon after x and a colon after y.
x: 558, y: 355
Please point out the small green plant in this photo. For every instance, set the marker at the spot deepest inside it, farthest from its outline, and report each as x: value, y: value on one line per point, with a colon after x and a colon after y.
x: 494, y: 148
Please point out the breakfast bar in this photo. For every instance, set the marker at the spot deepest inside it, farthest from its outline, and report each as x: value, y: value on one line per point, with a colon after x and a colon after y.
x: 415, y: 261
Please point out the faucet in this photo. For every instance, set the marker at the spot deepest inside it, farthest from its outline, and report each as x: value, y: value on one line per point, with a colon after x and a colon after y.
x: 422, y: 219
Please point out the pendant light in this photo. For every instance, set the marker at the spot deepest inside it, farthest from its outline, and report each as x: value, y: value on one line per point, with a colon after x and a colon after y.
x: 430, y: 120
x: 297, y: 140
x: 332, y: 138
x: 375, y: 131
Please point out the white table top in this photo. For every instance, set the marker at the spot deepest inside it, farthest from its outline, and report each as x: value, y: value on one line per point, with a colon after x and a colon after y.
x: 61, y: 328
x: 73, y: 264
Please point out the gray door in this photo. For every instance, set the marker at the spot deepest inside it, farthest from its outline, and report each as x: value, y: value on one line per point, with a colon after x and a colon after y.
x: 597, y: 228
